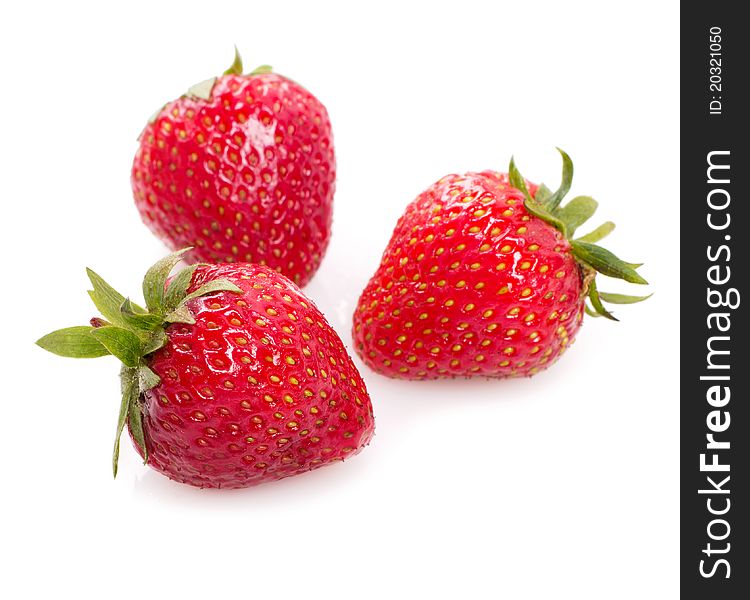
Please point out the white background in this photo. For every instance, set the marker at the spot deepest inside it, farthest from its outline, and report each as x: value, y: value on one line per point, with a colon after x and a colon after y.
x: 561, y: 486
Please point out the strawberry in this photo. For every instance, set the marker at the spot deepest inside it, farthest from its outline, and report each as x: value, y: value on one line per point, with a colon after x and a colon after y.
x: 230, y: 376
x: 483, y: 276
x: 241, y: 168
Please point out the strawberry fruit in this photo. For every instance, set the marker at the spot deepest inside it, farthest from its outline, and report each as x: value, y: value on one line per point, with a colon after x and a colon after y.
x: 230, y: 375
x: 242, y: 169
x: 483, y: 276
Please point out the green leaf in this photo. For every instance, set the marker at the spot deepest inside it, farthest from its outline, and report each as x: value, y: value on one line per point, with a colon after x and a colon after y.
x: 122, y: 343
x: 261, y: 70
x: 590, y: 311
x: 129, y: 387
x: 157, y: 340
x: 178, y: 288
x: 135, y: 424
x: 156, y: 278
x: 138, y: 321
x: 536, y: 209
x: 147, y: 379
x: 605, y: 262
x: 517, y: 180
x: 181, y: 314
x: 106, y: 299
x: 576, y: 212
x: 202, y: 90
x: 622, y: 298
x: 597, y: 303
x: 599, y: 233
x: 217, y: 285
x: 553, y: 201
x: 236, y: 67
x: 542, y: 193
x: 73, y: 342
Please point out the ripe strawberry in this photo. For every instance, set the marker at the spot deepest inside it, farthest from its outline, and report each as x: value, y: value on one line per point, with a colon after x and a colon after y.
x: 230, y: 378
x: 482, y: 276
x: 241, y: 168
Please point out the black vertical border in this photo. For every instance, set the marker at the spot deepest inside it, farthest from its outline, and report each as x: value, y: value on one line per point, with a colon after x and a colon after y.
x: 701, y: 133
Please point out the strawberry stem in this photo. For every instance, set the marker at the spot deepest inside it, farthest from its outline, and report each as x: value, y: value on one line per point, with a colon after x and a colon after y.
x: 131, y: 333
x: 567, y: 219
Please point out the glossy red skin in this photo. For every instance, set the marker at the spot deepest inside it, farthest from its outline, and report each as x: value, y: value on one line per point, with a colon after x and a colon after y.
x: 498, y: 307
x: 220, y: 419
x: 247, y: 176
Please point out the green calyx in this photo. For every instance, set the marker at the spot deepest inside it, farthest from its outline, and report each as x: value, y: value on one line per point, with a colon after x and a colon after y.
x: 204, y: 89
x: 131, y: 333
x: 567, y: 218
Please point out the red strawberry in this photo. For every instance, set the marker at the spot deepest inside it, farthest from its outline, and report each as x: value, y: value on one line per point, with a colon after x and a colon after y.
x: 482, y: 276
x: 231, y: 377
x: 241, y: 168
